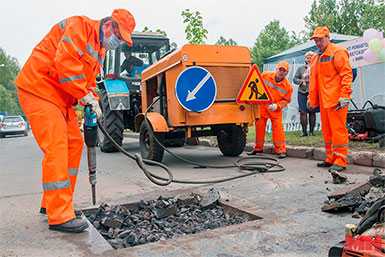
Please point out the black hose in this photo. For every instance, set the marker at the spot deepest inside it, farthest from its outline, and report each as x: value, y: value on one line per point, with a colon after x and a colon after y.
x: 354, y: 104
x: 141, y: 162
x: 368, y: 102
x: 246, y: 163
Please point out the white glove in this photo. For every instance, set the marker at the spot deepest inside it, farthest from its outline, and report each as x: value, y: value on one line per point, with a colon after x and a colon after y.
x: 343, y: 102
x: 89, y: 99
x: 272, y: 107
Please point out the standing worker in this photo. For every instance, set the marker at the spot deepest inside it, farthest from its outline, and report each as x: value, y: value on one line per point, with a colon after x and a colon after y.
x: 280, y: 91
x: 61, y: 72
x: 330, y: 89
x: 301, y: 78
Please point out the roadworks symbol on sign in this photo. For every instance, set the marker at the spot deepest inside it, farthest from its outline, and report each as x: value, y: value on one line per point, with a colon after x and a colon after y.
x: 254, y: 90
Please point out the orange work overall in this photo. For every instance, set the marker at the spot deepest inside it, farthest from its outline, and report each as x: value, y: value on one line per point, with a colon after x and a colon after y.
x: 330, y: 80
x: 280, y: 93
x: 61, y: 70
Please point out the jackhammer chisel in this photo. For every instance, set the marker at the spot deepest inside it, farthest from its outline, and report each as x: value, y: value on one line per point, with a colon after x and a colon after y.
x: 90, y: 138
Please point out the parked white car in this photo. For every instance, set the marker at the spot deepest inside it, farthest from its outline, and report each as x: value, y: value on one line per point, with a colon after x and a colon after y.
x: 13, y: 125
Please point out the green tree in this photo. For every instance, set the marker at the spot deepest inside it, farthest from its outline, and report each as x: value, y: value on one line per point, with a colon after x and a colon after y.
x: 272, y: 40
x: 350, y: 17
x: 223, y: 41
x: 195, y: 32
x: 8, y: 102
x: 322, y: 13
x: 374, y: 15
x: 9, y: 68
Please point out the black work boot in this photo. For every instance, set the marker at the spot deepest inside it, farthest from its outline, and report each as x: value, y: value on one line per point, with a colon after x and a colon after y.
x: 73, y: 226
x: 324, y: 164
x: 254, y: 152
x: 282, y: 155
x: 78, y: 213
x: 338, y: 178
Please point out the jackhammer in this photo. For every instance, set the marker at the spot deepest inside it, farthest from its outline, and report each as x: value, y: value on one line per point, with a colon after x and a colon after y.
x: 90, y: 128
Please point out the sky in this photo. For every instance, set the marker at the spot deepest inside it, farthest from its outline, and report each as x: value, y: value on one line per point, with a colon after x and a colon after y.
x: 25, y: 22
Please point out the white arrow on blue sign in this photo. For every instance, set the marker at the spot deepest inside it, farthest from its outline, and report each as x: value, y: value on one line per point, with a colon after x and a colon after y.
x: 195, y: 89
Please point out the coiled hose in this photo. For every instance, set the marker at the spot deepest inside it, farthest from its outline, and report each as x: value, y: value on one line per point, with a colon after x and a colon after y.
x: 254, y: 164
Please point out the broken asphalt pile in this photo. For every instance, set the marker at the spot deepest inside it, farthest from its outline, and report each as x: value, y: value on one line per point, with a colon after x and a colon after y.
x: 163, y: 218
x: 359, y: 199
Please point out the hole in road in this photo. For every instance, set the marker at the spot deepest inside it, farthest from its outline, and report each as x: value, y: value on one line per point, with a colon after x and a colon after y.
x: 144, y: 222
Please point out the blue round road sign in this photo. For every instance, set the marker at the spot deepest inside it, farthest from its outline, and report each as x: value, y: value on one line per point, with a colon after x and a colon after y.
x: 195, y: 89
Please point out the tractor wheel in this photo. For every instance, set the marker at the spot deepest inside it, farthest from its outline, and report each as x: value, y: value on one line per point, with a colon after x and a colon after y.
x: 231, y: 140
x: 113, y: 123
x: 149, y: 148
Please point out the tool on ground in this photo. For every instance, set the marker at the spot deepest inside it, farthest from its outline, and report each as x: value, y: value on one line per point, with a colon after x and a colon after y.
x: 367, y: 123
x: 367, y: 239
x: 91, y: 139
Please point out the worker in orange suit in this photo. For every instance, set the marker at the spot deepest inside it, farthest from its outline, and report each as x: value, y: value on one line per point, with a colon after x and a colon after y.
x: 280, y: 91
x: 330, y: 88
x: 61, y: 72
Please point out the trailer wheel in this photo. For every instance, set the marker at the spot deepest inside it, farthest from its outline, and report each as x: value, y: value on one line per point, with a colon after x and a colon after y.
x: 149, y: 148
x: 231, y: 140
x: 113, y: 123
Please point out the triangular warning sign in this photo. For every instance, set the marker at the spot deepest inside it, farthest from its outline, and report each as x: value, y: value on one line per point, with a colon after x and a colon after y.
x: 254, y: 90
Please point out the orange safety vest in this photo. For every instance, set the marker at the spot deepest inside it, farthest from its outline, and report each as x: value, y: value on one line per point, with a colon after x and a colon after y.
x: 330, y: 77
x: 63, y: 66
x: 280, y: 92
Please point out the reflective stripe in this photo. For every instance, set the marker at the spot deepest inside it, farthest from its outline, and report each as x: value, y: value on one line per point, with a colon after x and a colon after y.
x: 326, y: 59
x: 270, y: 84
x: 56, y: 185
x: 101, y: 60
x: 73, y: 171
x: 62, y: 24
x: 92, y: 52
x: 69, y: 40
x: 72, y: 78
x: 341, y: 155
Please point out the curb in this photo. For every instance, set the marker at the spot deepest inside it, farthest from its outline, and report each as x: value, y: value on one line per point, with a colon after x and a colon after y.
x: 364, y: 158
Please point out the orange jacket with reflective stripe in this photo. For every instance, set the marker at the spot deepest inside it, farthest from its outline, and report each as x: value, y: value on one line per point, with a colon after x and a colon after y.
x: 63, y: 66
x: 280, y: 92
x: 330, y: 77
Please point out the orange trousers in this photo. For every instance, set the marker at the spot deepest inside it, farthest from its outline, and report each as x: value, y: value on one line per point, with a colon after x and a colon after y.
x: 335, y: 134
x: 279, y: 140
x: 58, y: 135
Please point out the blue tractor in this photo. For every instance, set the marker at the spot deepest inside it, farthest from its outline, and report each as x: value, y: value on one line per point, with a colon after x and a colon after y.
x: 119, y: 84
